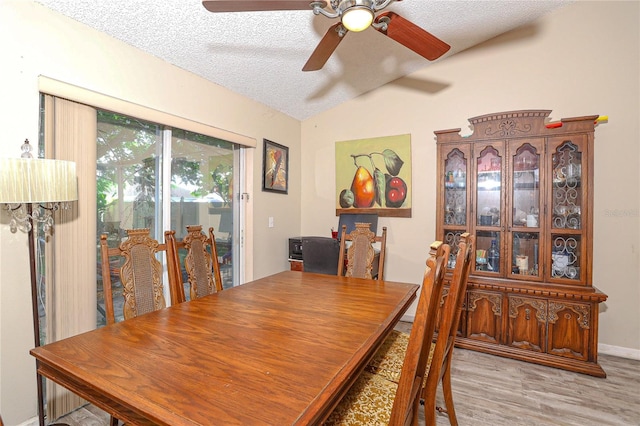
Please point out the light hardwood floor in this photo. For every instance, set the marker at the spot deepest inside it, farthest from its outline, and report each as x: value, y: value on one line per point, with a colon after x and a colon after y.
x: 496, y: 391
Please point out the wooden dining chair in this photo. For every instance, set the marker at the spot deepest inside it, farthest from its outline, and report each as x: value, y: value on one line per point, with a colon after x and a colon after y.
x: 140, y: 274
x: 443, y: 354
x: 361, y: 253
x: 200, y: 263
x: 388, y: 360
x: 374, y: 400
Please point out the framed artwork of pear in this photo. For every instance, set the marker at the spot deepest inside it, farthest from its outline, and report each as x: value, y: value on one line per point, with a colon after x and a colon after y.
x: 374, y: 176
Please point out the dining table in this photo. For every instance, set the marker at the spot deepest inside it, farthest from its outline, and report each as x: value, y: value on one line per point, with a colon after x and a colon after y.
x: 279, y: 350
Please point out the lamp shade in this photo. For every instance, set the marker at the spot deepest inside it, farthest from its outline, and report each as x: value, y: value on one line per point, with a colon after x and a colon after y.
x: 26, y: 180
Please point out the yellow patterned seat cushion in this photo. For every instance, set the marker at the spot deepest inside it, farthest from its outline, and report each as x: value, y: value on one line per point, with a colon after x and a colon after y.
x: 368, y: 402
x: 388, y: 360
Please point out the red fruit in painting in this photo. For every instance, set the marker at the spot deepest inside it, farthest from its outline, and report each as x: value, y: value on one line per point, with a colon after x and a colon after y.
x: 396, y: 192
x: 363, y: 188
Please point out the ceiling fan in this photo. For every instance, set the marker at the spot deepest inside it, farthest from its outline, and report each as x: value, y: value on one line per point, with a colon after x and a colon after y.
x: 355, y: 15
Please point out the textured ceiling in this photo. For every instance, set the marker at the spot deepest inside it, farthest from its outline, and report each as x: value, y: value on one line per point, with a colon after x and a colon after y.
x: 261, y: 54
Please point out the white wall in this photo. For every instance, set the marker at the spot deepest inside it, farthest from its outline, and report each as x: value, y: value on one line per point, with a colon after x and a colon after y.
x: 37, y: 41
x: 580, y: 60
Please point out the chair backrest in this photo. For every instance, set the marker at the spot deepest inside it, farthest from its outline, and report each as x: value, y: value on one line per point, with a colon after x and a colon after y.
x: 200, y: 263
x: 450, y: 315
x: 361, y: 253
x: 140, y: 274
x: 350, y: 220
x: 407, y: 400
x: 320, y: 255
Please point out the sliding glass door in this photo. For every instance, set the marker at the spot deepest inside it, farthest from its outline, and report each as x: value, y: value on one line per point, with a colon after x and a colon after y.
x: 202, y: 192
x: 151, y: 176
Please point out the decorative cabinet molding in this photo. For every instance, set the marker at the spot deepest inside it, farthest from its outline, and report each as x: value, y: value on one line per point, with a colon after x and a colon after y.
x: 525, y: 190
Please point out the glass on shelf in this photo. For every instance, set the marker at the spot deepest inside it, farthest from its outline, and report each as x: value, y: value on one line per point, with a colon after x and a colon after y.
x: 455, y: 179
x: 525, y: 253
x: 493, y: 257
x: 489, y: 217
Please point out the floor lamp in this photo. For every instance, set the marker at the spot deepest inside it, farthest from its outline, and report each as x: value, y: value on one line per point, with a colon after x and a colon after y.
x: 31, y: 190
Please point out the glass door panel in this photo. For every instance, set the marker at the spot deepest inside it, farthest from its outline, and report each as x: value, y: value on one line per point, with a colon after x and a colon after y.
x: 128, y: 163
x: 525, y: 211
x: 202, y: 191
x: 526, y: 187
x: 455, y: 192
x: 489, y: 185
x: 525, y: 254
x: 567, y: 191
x: 565, y: 256
x: 487, y: 252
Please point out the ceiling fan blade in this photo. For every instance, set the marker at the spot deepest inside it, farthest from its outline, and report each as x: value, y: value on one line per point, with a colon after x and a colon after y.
x: 412, y: 36
x: 325, y: 48
x: 258, y: 5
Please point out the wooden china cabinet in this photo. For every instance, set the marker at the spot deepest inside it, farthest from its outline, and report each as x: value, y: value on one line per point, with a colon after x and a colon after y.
x: 524, y: 188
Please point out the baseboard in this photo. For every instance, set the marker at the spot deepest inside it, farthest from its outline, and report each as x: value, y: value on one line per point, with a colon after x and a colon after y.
x: 618, y: 351
x: 31, y: 422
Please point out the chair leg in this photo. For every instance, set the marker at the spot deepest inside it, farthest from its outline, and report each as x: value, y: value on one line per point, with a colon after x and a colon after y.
x: 113, y: 421
x: 429, y: 408
x: 447, y: 393
x: 416, y: 406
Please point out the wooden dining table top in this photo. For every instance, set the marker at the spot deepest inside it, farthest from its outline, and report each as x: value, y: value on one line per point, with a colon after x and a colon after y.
x: 279, y: 350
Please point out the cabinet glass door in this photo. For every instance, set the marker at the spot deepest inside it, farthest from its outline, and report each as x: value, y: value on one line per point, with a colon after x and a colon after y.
x: 566, y: 220
x: 487, y: 252
x: 488, y: 187
x: 525, y: 208
x: 488, y: 210
x: 567, y: 192
x: 455, y: 189
x: 455, y: 202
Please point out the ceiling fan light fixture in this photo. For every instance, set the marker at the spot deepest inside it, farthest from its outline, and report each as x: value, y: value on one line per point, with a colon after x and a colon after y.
x: 356, y: 15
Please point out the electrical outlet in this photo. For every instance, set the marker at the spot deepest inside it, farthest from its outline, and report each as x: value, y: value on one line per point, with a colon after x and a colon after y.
x: 270, y: 222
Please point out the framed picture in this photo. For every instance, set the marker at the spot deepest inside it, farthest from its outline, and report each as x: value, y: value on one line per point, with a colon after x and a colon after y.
x: 374, y: 176
x: 275, y: 167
